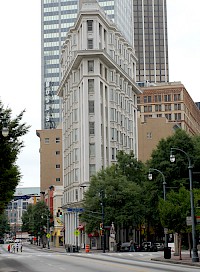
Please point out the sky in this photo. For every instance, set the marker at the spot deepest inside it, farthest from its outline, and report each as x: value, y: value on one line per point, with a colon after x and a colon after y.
x: 20, y: 63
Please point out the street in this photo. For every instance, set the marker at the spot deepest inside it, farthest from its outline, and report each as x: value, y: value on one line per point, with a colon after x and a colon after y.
x: 38, y: 260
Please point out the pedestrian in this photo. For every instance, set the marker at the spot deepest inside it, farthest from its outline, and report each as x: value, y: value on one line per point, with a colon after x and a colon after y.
x: 9, y: 248
x: 13, y: 248
x: 132, y: 245
x: 17, y: 247
x: 21, y: 247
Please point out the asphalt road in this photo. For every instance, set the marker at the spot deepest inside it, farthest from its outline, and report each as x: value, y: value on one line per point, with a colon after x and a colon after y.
x: 37, y: 260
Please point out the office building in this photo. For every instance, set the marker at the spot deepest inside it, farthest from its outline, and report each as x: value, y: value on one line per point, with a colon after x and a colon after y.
x: 51, y: 166
x: 167, y: 107
x: 150, y: 40
x: 57, y: 17
x: 99, y: 93
x: 16, y: 207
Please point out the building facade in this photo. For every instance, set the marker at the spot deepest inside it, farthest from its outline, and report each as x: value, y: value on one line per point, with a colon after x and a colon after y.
x: 169, y: 101
x: 99, y: 93
x: 57, y: 16
x: 150, y: 40
x: 15, y: 208
x: 51, y: 165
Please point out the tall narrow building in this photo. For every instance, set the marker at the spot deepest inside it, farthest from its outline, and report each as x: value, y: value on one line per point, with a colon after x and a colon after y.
x: 99, y: 92
x: 57, y: 17
x: 150, y: 40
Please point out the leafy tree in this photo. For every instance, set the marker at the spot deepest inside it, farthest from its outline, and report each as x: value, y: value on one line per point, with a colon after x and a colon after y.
x: 174, y: 210
x: 130, y: 167
x: 35, y: 218
x: 122, y: 200
x: 10, y: 147
x: 4, y: 225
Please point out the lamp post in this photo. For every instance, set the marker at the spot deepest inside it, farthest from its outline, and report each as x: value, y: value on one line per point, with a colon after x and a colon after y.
x: 164, y: 194
x: 4, y: 130
x: 48, y: 234
x: 103, y: 217
x: 195, y: 257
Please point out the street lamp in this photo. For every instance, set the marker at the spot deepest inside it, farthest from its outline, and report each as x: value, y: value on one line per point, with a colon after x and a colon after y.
x: 5, y: 130
x: 102, y: 194
x: 195, y: 257
x: 48, y: 234
x: 164, y: 194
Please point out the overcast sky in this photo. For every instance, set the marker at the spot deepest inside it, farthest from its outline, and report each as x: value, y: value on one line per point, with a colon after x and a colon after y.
x: 20, y: 65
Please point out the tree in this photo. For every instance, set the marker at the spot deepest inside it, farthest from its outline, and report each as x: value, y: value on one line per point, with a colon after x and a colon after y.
x: 122, y: 200
x: 35, y: 218
x: 174, y: 210
x: 10, y: 148
x: 4, y: 226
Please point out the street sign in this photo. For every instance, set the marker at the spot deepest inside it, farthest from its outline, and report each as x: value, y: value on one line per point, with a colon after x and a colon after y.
x: 189, y: 221
x: 48, y: 235
x: 77, y: 232
x: 75, y: 209
x: 165, y: 230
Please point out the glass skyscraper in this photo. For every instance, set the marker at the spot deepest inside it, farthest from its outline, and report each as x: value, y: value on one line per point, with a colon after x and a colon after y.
x: 57, y: 17
x: 142, y: 22
x: 150, y: 40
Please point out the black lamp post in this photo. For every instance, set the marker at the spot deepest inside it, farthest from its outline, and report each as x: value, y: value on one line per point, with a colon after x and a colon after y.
x: 103, y: 220
x: 195, y: 257
x: 164, y: 193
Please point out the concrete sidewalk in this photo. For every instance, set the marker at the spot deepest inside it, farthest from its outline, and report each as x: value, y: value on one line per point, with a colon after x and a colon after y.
x: 186, y: 260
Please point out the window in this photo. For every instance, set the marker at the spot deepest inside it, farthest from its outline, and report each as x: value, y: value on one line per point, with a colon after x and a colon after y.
x: 46, y: 140
x: 92, y: 150
x: 168, y: 107
x: 76, y: 194
x: 177, y: 97
x: 177, y: 106
x: 91, y: 106
x: 57, y: 166
x: 91, y: 128
x: 57, y: 179
x: 90, y: 85
x: 90, y: 66
x: 57, y: 152
x: 57, y: 140
x: 157, y: 98
x: 147, y: 99
x: 92, y: 170
x: 76, y: 174
x: 89, y: 25
x: 167, y: 97
x: 158, y: 108
x: 149, y: 135
x: 90, y: 43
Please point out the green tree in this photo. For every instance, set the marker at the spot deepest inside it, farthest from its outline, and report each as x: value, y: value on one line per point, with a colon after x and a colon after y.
x: 176, y: 174
x: 122, y: 200
x: 173, y: 212
x: 4, y: 225
x: 10, y: 148
x: 130, y: 167
x: 35, y: 218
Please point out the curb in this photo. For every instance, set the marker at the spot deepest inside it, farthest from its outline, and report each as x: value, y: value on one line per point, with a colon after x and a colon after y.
x: 176, y: 262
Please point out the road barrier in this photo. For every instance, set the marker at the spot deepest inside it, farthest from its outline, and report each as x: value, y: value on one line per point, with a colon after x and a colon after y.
x: 87, y: 248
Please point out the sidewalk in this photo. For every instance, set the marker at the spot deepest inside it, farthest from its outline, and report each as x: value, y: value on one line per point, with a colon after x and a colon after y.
x: 186, y: 260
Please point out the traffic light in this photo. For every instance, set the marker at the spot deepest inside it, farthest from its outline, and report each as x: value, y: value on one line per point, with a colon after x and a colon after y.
x: 101, y: 226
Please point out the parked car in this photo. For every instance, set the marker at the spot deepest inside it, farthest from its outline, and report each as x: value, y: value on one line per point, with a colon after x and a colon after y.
x: 149, y: 246
x: 125, y: 247
x: 1, y: 241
